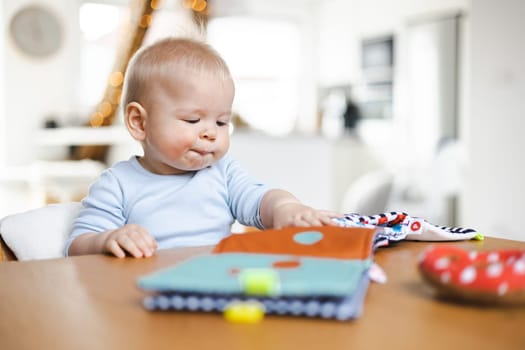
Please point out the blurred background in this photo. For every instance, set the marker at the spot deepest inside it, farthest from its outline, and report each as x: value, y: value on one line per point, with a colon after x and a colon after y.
x: 353, y: 105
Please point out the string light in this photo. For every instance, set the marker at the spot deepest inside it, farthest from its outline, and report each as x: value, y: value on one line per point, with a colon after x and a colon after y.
x: 116, y: 79
x: 105, y: 108
x: 155, y: 4
x: 145, y: 21
x: 114, y: 97
x: 195, y: 5
x: 199, y: 5
x: 96, y: 119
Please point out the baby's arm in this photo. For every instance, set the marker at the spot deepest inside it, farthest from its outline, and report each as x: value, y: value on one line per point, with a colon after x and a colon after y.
x: 129, y: 238
x: 280, y: 208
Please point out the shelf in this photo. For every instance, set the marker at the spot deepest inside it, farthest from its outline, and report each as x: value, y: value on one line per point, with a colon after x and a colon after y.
x: 78, y: 136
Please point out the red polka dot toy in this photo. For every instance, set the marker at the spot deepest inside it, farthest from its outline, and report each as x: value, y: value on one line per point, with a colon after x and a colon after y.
x: 496, y: 276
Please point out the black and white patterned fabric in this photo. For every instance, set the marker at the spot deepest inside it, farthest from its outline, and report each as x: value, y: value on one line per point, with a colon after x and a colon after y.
x: 397, y: 226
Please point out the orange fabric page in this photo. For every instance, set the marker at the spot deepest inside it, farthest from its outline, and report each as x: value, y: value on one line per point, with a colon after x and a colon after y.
x: 328, y: 242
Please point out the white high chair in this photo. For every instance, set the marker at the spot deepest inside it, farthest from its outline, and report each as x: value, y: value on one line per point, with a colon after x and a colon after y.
x: 38, y: 233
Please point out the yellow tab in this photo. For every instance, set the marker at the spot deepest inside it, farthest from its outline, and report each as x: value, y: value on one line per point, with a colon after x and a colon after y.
x: 244, y: 312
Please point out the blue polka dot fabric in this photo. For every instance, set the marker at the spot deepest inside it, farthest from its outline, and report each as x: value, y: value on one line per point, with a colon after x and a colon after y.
x: 337, y: 308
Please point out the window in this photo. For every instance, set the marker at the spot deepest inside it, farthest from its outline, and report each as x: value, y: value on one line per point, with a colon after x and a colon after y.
x: 100, y: 25
x: 263, y: 56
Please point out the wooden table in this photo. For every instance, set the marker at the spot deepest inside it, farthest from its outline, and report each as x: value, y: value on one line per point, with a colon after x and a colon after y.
x: 92, y: 302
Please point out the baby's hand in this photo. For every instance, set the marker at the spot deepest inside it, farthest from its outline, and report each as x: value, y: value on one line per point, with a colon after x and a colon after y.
x: 132, y: 239
x: 296, y: 214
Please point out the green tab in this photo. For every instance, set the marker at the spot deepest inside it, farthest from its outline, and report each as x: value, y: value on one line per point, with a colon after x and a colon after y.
x: 478, y: 237
x: 259, y: 281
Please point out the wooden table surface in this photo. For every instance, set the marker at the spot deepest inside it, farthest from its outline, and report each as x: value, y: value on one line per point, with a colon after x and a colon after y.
x: 92, y: 302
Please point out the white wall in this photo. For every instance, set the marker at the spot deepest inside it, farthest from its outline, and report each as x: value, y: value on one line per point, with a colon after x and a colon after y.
x: 35, y: 87
x: 3, y: 130
x: 342, y: 23
x: 494, y: 194
x: 315, y: 169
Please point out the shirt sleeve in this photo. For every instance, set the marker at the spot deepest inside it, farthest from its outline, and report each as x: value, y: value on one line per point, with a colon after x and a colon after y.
x: 102, y: 209
x: 245, y: 195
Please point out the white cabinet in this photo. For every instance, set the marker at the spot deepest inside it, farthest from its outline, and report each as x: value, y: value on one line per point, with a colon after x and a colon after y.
x: 315, y: 169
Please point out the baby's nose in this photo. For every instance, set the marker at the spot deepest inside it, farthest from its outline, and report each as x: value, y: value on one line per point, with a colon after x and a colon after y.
x: 209, y: 132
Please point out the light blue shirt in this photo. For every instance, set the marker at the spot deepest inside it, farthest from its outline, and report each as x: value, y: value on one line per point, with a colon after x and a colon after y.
x: 193, y: 209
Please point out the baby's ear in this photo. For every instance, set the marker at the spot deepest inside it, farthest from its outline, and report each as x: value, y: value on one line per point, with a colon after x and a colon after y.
x: 135, y: 119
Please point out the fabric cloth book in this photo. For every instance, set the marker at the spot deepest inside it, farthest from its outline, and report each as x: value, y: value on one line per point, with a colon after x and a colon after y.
x: 312, y: 272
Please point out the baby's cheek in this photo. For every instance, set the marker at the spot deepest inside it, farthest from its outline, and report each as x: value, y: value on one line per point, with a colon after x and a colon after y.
x: 179, y: 145
x: 224, y: 143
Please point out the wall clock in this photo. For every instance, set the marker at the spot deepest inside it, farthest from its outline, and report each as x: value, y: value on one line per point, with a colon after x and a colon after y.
x: 36, y: 31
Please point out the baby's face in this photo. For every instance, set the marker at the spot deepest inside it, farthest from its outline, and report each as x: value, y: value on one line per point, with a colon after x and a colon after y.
x: 187, y: 124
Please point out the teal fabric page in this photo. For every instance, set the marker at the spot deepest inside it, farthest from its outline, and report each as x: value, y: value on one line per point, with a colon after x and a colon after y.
x: 295, y: 276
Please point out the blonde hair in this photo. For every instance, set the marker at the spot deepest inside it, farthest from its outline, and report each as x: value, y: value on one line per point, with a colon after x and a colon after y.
x: 153, y: 62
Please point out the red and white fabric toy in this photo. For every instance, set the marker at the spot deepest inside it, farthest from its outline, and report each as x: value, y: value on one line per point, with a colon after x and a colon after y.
x: 496, y: 276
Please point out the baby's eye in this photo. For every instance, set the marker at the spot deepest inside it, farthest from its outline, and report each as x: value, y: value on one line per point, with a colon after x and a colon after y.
x: 219, y: 123
x: 192, y: 121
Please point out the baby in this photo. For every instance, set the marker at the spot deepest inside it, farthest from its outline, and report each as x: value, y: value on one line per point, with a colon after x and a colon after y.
x: 185, y: 190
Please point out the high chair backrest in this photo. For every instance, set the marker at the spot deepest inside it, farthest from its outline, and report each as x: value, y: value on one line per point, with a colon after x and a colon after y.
x: 6, y: 254
x: 38, y: 233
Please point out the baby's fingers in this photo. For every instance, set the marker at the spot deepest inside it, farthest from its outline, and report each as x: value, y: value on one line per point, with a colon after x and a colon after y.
x: 130, y: 245
x: 310, y: 220
x: 132, y: 239
x: 326, y: 220
x: 114, y: 248
x: 146, y: 244
x: 327, y: 217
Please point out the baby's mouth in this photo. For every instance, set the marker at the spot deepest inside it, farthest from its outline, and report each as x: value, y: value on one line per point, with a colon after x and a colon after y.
x: 202, y: 152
